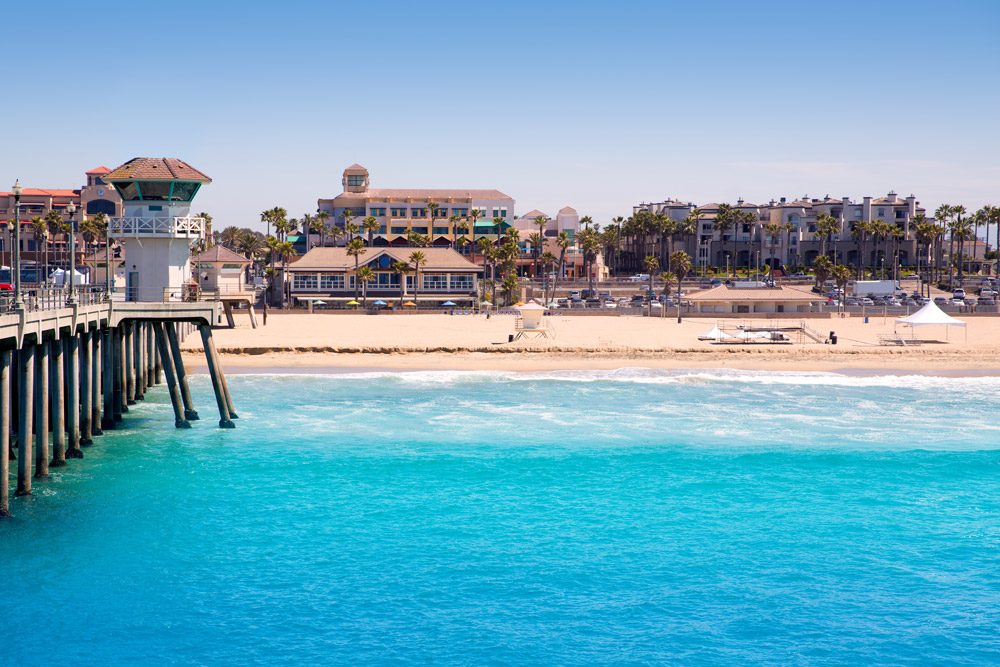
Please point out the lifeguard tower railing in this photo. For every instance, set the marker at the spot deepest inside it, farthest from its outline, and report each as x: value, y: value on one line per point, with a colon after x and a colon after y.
x: 166, y: 226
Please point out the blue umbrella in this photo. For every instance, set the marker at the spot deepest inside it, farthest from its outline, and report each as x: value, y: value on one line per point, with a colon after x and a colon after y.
x: 449, y: 303
x: 380, y: 302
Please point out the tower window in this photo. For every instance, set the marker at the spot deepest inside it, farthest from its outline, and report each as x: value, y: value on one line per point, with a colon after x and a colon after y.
x: 355, y: 180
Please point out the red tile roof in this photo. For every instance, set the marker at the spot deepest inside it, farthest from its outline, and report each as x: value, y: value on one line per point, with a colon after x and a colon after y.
x: 219, y: 253
x: 38, y: 192
x: 157, y: 169
x: 99, y: 170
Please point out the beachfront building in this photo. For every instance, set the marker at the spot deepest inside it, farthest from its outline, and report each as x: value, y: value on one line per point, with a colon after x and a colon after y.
x: 96, y: 196
x: 751, y: 298
x: 329, y: 274
x: 566, y: 220
x: 796, y: 239
x: 437, y: 214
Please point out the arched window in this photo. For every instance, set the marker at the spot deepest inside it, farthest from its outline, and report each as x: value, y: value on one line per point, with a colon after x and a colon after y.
x: 104, y: 206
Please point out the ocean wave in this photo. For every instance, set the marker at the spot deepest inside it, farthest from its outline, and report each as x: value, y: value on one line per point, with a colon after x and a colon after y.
x: 655, y: 376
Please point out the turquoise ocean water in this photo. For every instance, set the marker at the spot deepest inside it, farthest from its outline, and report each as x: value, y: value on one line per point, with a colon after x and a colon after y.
x: 633, y: 517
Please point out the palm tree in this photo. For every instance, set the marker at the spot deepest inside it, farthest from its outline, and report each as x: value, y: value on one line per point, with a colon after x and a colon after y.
x: 54, y: 222
x: 537, y: 241
x: 826, y: 227
x: 924, y: 232
x: 563, y: 242
x: 417, y: 259
x: 650, y: 265
x: 860, y: 234
x: 356, y: 248
x: 40, y: 231
x: 841, y: 275
x: 286, y: 251
x: 453, y: 222
x: 475, y: 214
x: 618, y: 222
x: 365, y: 276
x: 230, y: 236
x: 548, y: 260
x: 400, y: 269
x: 370, y: 225
x: 498, y: 223
x: 432, y: 210
x: 680, y: 263
x: 725, y: 221
x: 822, y: 266
x: 350, y: 229
x: 322, y: 218
x: 772, y: 229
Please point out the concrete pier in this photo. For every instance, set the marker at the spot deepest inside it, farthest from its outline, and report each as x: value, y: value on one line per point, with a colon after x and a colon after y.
x: 5, y: 359
x: 214, y: 371
x: 86, y: 412
x: 25, y: 408
x: 57, y: 399
x: 42, y: 410
x: 65, y: 375
x: 175, y: 354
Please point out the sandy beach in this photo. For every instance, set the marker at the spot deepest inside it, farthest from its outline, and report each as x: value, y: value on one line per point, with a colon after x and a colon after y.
x: 299, y: 342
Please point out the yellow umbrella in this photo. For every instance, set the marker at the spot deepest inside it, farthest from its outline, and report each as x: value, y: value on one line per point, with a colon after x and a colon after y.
x: 409, y: 303
x: 352, y: 302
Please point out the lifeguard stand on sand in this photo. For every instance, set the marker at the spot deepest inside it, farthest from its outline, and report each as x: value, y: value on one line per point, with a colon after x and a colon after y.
x: 531, y: 322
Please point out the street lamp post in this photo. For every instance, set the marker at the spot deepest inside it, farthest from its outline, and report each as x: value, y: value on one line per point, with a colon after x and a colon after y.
x: 18, y: 301
x: 107, y: 261
x: 71, y: 209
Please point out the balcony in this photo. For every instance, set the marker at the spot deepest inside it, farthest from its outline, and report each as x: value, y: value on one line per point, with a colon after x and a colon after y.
x: 158, y: 227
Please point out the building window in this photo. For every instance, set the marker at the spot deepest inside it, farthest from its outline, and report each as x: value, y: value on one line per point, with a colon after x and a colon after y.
x: 499, y: 212
x: 356, y: 180
x: 398, y: 212
x: 377, y: 212
x: 900, y: 214
x: 460, y: 212
x: 857, y: 213
x: 399, y: 230
x: 440, y: 230
x: 420, y: 230
x: 435, y: 282
x: 881, y: 212
x: 331, y: 282
x: 461, y: 282
x: 418, y: 213
x: 305, y: 281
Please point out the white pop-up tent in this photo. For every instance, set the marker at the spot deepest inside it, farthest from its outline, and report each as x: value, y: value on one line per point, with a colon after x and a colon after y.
x: 61, y: 277
x: 930, y: 314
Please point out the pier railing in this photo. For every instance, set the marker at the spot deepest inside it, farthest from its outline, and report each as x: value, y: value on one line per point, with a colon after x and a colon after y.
x: 51, y: 298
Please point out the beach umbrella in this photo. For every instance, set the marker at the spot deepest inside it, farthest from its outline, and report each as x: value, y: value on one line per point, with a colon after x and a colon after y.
x: 553, y: 304
x: 409, y: 303
x: 485, y: 303
x: 380, y: 302
x: 519, y: 303
x: 319, y: 302
x: 352, y: 302
x: 449, y: 303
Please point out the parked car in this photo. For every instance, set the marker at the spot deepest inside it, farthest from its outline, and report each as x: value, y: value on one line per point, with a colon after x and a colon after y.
x: 610, y: 304
x: 578, y: 303
x: 987, y: 301
x: 941, y: 300
x: 639, y: 277
x: 988, y: 292
x: 800, y: 276
x: 716, y: 283
x: 593, y: 303
x: 959, y: 293
x: 865, y: 301
x: 908, y: 302
x: 957, y: 302
x: 851, y: 301
x: 574, y: 295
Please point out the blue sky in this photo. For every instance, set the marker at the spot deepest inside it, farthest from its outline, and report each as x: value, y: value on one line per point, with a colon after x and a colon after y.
x: 594, y: 105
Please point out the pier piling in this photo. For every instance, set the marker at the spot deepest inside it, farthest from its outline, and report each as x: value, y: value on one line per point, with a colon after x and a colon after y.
x: 42, y: 409
x: 215, y: 372
x: 175, y: 352
x: 129, y: 364
x: 150, y: 357
x: 73, y: 450
x: 25, y: 407
x: 5, y: 358
x: 86, y: 413
x: 57, y: 393
x: 95, y: 383
x: 119, y: 359
x: 168, y: 370
x: 108, y: 381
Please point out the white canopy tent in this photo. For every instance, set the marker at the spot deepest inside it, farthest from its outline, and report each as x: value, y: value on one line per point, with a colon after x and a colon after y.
x: 930, y: 314
x: 61, y: 277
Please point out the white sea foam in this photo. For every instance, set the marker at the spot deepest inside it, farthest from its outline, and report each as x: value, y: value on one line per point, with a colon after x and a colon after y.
x: 640, y: 375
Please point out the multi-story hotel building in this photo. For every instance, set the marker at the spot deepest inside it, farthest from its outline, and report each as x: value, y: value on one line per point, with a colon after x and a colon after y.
x: 401, y: 212
x: 797, y: 242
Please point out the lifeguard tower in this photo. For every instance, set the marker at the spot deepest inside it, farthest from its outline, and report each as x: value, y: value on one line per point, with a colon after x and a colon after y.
x: 156, y: 227
x: 531, y: 322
